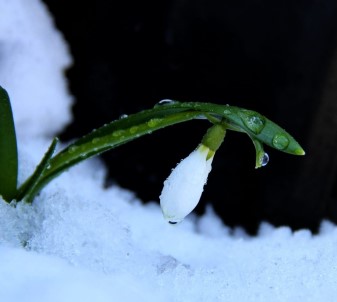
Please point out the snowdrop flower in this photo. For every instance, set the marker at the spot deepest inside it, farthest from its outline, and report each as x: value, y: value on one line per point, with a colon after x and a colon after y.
x: 183, y: 188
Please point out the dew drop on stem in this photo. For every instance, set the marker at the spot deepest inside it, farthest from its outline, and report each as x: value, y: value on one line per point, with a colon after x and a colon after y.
x: 264, y: 159
x: 96, y: 140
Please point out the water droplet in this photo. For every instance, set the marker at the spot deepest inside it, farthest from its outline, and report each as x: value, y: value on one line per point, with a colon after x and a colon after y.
x: 226, y: 111
x: 201, y: 117
x: 165, y: 102
x: 133, y: 129
x: 118, y: 133
x: 123, y: 116
x: 252, y: 120
x: 264, y: 159
x: 48, y: 167
x: 280, y: 141
x: 72, y: 149
x: 153, y: 122
x: 96, y: 140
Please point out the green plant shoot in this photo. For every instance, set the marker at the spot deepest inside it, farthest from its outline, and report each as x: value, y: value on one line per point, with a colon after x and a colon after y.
x: 8, y: 149
x: 166, y: 113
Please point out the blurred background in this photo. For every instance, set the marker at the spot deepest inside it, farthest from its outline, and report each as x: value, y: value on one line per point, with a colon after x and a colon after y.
x: 276, y: 57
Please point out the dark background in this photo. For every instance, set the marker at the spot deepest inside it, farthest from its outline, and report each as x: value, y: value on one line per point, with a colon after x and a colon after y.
x: 275, y: 57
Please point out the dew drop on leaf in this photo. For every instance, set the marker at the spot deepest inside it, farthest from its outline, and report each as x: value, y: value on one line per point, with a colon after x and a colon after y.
x: 252, y: 120
x: 133, y: 129
x: 166, y: 102
x: 118, y: 133
x: 123, y: 116
x: 153, y: 122
x: 201, y: 117
x: 72, y: 149
x: 280, y: 141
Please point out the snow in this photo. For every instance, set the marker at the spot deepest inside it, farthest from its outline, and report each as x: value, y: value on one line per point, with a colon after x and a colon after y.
x: 30, y: 52
x: 82, y: 242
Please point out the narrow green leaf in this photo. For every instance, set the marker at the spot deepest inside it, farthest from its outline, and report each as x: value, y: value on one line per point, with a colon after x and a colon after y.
x: 259, y: 128
x: 27, y: 190
x: 8, y: 149
x: 111, y: 136
x: 251, y: 122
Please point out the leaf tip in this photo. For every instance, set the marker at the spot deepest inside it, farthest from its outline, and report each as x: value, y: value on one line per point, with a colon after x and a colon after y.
x: 299, y: 151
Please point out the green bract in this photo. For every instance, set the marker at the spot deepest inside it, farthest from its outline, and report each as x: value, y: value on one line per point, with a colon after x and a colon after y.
x: 8, y: 149
x: 260, y: 129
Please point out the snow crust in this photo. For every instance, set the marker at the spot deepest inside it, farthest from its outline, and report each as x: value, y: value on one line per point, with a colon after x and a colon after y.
x: 83, y: 242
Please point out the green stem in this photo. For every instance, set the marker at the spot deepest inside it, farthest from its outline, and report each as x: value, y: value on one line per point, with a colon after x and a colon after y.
x: 214, y: 138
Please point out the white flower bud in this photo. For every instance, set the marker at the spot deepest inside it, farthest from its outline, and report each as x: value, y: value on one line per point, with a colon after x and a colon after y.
x: 183, y: 188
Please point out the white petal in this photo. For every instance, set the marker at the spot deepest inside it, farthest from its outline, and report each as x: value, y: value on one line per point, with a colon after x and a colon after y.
x: 183, y: 188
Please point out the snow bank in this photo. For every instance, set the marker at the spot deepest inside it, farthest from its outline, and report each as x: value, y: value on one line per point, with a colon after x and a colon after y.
x: 33, y: 57
x: 82, y: 242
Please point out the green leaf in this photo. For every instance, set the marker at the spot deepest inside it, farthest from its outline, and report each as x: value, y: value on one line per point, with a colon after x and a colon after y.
x: 260, y: 129
x: 251, y: 122
x: 28, y: 190
x: 111, y: 136
x: 8, y: 149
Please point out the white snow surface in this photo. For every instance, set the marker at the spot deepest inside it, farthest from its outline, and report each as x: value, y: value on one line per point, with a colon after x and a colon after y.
x: 31, y: 50
x: 82, y: 242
